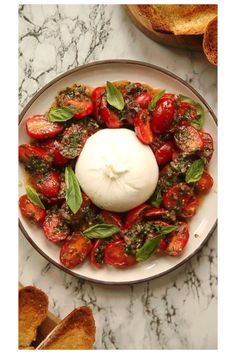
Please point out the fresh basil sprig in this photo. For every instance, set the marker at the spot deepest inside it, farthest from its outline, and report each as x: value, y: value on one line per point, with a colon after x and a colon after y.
x: 60, y: 114
x: 114, y: 96
x: 199, y: 120
x: 149, y: 246
x: 73, y: 192
x: 101, y: 231
x: 195, y: 171
x: 34, y: 197
x: 156, y: 98
x: 157, y: 199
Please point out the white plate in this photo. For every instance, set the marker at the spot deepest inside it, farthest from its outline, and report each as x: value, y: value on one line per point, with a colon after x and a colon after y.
x: 202, y: 224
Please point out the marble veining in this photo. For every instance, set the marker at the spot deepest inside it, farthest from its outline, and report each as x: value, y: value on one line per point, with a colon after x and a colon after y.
x: 179, y: 310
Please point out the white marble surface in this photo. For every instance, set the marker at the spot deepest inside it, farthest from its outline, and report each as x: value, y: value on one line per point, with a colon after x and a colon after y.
x: 179, y: 310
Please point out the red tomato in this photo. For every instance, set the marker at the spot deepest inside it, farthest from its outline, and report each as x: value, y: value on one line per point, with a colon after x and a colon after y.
x: 177, y: 197
x: 188, y: 139
x: 109, y: 117
x: 83, y: 108
x: 73, y: 140
x: 208, y: 146
x: 111, y: 218
x: 205, y: 183
x: 97, y: 95
x: 94, y: 254
x: 135, y: 215
x: 185, y: 114
x: 52, y: 146
x: 34, y: 157
x: 132, y: 89
x: 164, y: 153
x: 178, y: 240
x: 39, y: 127
x: 190, y: 209
x: 142, y: 127
x: 30, y: 211
x: 54, y: 228
x: 115, y: 255
x: 143, y: 99
x: 163, y: 114
x: 48, y: 184
x: 75, y: 251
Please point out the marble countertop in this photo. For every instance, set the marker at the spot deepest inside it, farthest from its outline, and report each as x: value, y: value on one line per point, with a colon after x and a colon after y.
x: 179, y: 310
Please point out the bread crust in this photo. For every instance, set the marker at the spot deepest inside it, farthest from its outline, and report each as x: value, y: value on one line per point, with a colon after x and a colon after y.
x: 210, y: 42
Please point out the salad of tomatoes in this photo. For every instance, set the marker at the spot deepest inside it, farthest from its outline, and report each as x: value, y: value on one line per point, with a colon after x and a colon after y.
x: 171, y: 124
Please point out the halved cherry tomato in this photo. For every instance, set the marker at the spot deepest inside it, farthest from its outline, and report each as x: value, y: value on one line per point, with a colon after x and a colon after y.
x: 208, y: 146
x: 109, y: 117
x: 114, y: 254
x: 190, y: 209
x: 111, y: 218
x: 163, y: 114
x: 97, y: 94
x: 47, y: 184
x: 35, y: 158
x: 76, y: 218
x: 83, y: 108
x: 75, y: 251
x: 73, y: 140
x: 143, y: 99
x: 177, y: 197
x: 52, y: 146
x: 164, y: 153
x: 95, y: 256
x: 160, y: 213
x: 178, y: 240
x: 185, y: 114
x: 39, y: 127
x: 30, y: 211
x: 188, y: 139
x: 135, y: 215
x: 54, y: 227
x: 133, y: 89
x: 205, y: 183
x: 163, y: 242
x: 142, y: 127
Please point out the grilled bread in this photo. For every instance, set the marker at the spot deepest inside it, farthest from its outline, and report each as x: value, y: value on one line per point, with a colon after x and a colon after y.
x: 210, y: 42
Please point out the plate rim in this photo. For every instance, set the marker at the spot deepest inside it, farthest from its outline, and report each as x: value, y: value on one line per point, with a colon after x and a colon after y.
x: 82, y: 67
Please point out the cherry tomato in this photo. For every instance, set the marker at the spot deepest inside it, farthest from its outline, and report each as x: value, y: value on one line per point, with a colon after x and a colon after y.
x: 135, y: 215
x: 109, y: 117
x: 142, y: 127
x: 188, y: 139
x: 177, y: 197
x: 54, y: 227
x: 75, y: 251
x: 163, y: 242
x: 178, y: 240
x: 94, y: 256
x: 164, y: 153
x: 205, y: 183
x: 190, y: 209
x: 35, y: 158
x: 133, y: 89
x: 114, y: 254
x: 185, y: 114
x: 143, y: 99
x: 111, y: 218
x: 83, y: 108
x: 208, y: 146
x: 47, y: 184
x: 30, y: 211
x: 39, y: 127
x: 163, y: 114
x: 73, y: 140
x: 52, y: 146
x: 97, y: 95
x: 80, y: 216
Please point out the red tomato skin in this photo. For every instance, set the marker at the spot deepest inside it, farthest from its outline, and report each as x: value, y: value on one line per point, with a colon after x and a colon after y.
x: 109, y: 117
x: 54, y: 228
x: 85, y: 108
x: 185, y: 114
x: 30, y: 211
x: 179, y: 193
x: 114, y: 255
x: 190, y: 209
x: 48, y: 185
x: 143, y: 99
x: 97, y: 95
x: 135, y: 215
x: 75, y: 251
x: 39, y: 127
x: 205, y: 183
x: 178, y: 240
x: 28, y: 152
x: 164, y: 153
x: 52, y: 146
x: 163, y: 114
x: 208, y: 146
x: 188, y: 139
x: 111, y: 218
x: 142, y: 127
x: 92, y: 256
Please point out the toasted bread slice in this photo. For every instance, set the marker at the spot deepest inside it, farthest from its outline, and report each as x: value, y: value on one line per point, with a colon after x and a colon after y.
x: 76, y: 331
x: 210, y: 42
x: 33, y: 308
x: 179, y: 19
x: 26, y: 348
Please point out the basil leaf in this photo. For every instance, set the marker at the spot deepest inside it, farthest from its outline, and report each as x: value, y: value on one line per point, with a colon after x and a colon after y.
x: 158, y: 200
x: 114, y: 96
x: 101, y: 231
x: 199, y: 120
x: 73, y: 192
x: 165, y: 230
x: 156, y: 98
x: 61, y: 114
x: 34, y: 197
x: 195, y: 171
